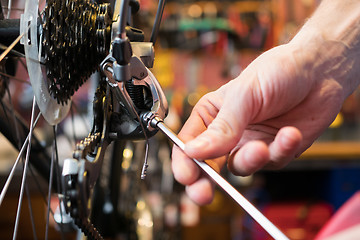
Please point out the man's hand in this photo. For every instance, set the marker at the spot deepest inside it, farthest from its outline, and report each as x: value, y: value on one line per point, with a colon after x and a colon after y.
x: 279, y: 104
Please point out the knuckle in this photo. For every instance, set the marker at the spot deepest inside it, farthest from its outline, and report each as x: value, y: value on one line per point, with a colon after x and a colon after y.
x: 223, y: 127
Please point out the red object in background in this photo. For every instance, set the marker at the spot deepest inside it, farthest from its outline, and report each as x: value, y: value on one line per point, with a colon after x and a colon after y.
x: 346, y: 217
x: 298, y: 221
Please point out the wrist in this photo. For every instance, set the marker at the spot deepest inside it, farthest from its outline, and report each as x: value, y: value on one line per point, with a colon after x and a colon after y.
x: 334, y: 20
x: 331, y: 45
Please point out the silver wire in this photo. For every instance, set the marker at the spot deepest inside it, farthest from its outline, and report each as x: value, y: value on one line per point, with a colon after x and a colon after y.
x: 24, y: 171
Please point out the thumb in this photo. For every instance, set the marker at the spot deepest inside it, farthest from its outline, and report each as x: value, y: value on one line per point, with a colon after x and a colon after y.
x: 221, y: 135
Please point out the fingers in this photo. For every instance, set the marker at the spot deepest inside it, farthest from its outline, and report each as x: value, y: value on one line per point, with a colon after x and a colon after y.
x: 251, y: 157
x: 198, y: 186
x: 222, y: 134
x: 185, y: 169
x: 220, y: 137
x: 255, y: 155
x: 285, y: 147
x: 202, y: 191
x: 216, y: 131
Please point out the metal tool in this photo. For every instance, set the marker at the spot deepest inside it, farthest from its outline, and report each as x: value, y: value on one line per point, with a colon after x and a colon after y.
x: 156, y: 122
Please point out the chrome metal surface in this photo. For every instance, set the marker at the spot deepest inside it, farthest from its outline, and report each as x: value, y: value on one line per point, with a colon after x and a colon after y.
x: 225, y: 185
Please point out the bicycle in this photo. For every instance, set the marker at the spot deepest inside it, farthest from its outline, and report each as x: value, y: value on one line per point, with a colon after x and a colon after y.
x: 62, y: 50
x: 129, y: 103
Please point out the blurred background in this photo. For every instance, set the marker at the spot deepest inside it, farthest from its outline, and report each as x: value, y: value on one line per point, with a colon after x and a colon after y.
x: 201, y: 46
x: 204, y: 44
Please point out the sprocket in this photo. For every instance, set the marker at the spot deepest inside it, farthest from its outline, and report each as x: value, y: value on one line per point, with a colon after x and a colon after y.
x: 75, y: 34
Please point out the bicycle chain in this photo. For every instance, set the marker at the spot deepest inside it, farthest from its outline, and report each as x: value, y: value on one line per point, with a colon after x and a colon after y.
x: 75, y: 203
x: 75, y: 40
x: 77, y: 193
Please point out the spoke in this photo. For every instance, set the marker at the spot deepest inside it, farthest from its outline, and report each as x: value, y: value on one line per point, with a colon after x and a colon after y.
x: 19, y: 146
x: 56, y: 169
x: 39, y: 187
x: 17, y: 53
x: 12, y: 45
x: 58, y: 174
x: 50, y: 188
x: 14, y: 78
x: 14, y: 118
x: 31, y: 212
x: 11, y: 175
x: 9, y: 9
x: 24, y: 172
x: 14, y: 9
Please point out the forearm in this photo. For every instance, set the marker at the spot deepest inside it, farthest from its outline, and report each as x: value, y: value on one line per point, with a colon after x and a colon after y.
x: 337, y: 19
x: 333, y: 34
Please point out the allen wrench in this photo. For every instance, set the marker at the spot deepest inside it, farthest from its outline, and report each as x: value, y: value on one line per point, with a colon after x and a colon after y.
x: 154, y: 121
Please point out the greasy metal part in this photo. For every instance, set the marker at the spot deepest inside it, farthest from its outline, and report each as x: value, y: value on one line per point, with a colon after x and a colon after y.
x: 81, y: 172
x: 154, y: 121
x: 70, y: 38
x: 133, y: 90
x: 77, y: 193
x: 49, y: 107
x: 145, y: 51
x: 62, y: 218
x: 118, y: 86
x: 131, y: 93
x: 160, y: 104
x: 144, y: 78
x: 75, y: 40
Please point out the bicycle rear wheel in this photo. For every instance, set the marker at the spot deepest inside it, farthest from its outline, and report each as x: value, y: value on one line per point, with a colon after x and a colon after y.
x: 54, y: 108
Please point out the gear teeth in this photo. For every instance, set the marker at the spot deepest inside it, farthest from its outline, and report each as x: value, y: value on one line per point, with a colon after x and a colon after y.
x: 75, y: 42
